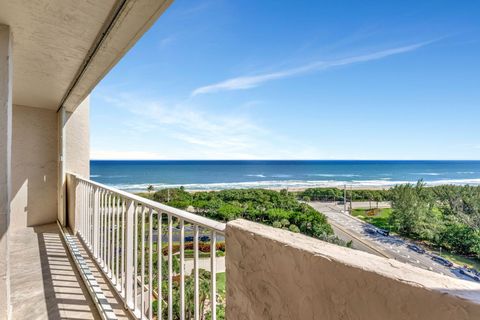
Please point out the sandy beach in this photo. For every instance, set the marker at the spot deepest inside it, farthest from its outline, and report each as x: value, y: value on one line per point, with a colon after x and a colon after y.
x: 295, y: 189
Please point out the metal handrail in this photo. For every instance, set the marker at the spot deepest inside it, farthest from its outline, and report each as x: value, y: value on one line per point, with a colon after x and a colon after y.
x: 178, y: 213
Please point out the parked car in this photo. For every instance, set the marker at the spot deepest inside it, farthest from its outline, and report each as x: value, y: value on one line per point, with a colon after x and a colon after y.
x: 370, y: 231
x: 442, y: 261
x: 188, y: 238
x: 470, y: 273
x: 416, y: 248
x: 383, y: 232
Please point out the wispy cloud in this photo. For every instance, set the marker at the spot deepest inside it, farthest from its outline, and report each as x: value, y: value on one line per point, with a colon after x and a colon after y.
x: 167, y: 40
x: 203, y: 132
x: 184, y: 130
x: 247, y: 82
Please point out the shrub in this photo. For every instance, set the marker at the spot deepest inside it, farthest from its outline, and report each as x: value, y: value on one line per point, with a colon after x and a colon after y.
x: 285, y: 222
x: 294, y: 228
x: 277, y: 224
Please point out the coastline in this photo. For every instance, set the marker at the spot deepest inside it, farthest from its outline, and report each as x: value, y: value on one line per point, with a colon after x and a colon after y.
x: 294, y: 186
x: 298, y: 189
x: 211, y: 175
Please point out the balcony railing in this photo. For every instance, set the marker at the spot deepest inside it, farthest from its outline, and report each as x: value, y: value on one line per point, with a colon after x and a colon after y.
x: 140, y: 247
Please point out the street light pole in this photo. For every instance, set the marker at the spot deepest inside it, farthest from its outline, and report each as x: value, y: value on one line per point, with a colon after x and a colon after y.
x: 344, y: 198
x: 351, y: 199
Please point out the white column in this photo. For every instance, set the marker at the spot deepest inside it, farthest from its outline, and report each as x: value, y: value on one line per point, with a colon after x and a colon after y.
x: 5, y: 164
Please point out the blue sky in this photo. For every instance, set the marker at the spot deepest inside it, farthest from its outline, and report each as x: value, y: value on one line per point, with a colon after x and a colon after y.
x: 226, y: 79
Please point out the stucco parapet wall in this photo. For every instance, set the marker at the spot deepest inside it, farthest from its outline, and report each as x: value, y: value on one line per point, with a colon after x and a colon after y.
x: 276, y: 274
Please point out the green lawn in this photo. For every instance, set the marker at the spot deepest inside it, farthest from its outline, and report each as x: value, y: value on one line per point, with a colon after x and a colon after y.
x: 380, y: 219
x: 221, y: 282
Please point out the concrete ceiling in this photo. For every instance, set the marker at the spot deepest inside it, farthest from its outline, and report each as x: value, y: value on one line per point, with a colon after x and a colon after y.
x: 63, y: 48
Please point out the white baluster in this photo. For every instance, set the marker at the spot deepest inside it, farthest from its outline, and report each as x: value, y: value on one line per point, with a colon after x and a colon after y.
x: 170, y: 266
x: 129, y: 253
x: 196, y: 303
x: 159, y: 266
x: 142, y: 269
x: 150, y: 264
x: 213, y: 273
x: 182, y: 269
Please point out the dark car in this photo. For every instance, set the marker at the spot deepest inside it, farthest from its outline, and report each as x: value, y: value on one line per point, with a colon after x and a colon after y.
x: 442, y: 261
x: 416, y: 248
x: 371, y: 231
x: 383, y: 232
x: 470, y: 273
x: 189, y: 239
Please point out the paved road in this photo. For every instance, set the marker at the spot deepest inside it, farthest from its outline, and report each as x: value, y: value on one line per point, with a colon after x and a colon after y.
x: 346, y: 236
x: 393, y: 247
x: 204, y: 263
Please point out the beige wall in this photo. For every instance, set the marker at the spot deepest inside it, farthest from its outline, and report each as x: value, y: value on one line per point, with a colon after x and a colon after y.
x: 34, y: 166
x: 35, y: 161
x: 276, y: 274
x: 77, y: 154
x: 5, y: 164
x: 78, y: 140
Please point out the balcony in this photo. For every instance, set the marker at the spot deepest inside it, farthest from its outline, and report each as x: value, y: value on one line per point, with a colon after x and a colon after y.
x: 271, y: 273
x: 106, y: 266
x: 71, y: 248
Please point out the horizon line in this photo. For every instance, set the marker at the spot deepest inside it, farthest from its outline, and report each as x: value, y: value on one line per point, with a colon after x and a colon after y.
x: 284, y: 160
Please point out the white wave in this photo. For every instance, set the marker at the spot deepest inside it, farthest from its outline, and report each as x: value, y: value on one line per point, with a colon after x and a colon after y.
x: 334, y: 175
x: 256, y: 175
x: 465, y: 172
x: 281, y: 175
x: 426, y: 173
x: 95, y: 176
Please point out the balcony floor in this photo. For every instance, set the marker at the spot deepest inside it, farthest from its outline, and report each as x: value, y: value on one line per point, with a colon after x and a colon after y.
x: 44, y: 281
x: 112, y: 298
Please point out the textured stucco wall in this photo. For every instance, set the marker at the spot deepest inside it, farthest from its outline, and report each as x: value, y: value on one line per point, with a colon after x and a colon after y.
x: 77, y: 153
x: 5, y: 164
x: 78, y: 140
x: 276, y: 274
x: 34, y: 167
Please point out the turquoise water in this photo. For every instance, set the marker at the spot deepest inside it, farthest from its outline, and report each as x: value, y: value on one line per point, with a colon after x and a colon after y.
x: 215, y: 175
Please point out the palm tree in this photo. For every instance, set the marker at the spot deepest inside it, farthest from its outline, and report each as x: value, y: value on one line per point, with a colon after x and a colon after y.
x: 150, y: 188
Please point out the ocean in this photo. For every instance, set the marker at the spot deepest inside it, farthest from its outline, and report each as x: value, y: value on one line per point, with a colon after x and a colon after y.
x: 136, y: 176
